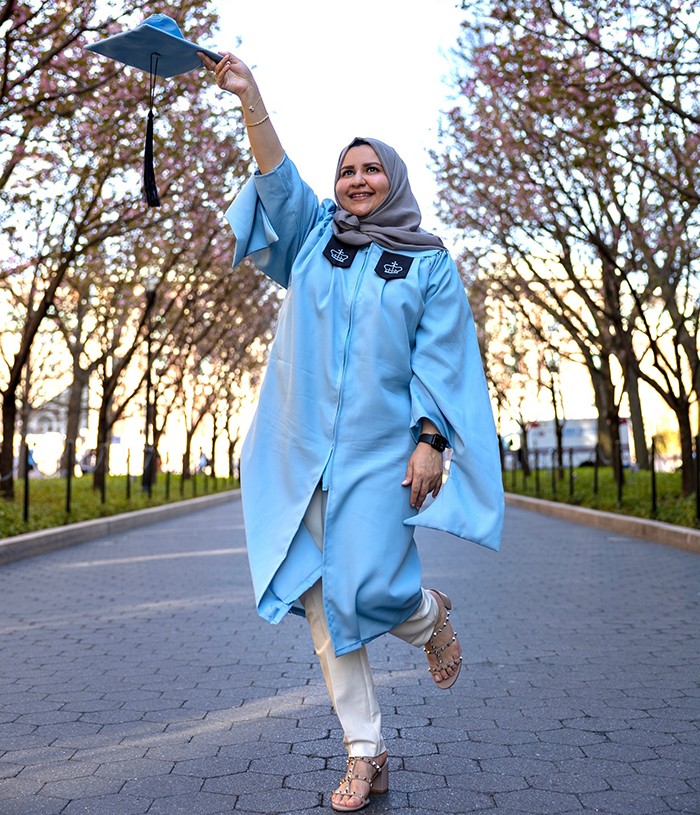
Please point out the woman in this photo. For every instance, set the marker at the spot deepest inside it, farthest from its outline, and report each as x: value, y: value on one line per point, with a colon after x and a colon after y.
x: 374, y: 372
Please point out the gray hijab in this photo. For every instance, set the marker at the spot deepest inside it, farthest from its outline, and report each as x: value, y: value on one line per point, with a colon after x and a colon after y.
x: 395, y: 224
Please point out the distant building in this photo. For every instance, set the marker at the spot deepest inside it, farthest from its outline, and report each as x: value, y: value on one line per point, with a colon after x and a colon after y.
x: 579, y: 435
x: 52, y: 415
x: 46, y: 432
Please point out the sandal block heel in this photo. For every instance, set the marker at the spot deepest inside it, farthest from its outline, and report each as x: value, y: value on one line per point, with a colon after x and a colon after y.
x: 380, y: 782
x: 445, y: 599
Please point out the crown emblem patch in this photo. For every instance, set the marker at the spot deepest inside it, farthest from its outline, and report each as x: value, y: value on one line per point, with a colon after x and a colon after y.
x: 392, y: 266
x: 339, y: 254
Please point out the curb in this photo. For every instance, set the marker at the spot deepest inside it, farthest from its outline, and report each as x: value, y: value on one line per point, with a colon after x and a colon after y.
x: 31, y: 544
x: 681, y: 537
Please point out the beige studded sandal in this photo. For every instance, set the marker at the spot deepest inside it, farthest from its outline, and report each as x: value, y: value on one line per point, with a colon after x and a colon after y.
x: 445, y: 671
x: 364, y: 776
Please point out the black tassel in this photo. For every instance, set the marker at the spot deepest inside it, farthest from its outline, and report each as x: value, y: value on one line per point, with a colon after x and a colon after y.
x: 150, y: 189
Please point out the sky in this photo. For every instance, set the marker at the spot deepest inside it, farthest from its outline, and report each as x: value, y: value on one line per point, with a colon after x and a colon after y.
x: 330, y: 71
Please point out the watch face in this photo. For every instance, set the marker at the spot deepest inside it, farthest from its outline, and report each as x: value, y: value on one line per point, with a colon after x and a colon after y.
x: 435, y: 440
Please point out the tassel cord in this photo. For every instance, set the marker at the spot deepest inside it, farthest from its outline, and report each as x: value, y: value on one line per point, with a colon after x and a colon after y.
x: 150, y: 188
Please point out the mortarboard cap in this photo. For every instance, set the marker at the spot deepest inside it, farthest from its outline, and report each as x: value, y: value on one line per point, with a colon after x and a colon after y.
x: 159, y: 35
x: 156, y: 45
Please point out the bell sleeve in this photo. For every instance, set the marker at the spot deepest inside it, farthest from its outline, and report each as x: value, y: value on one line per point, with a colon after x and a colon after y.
x: 271, y: 217
x: 448, y: 387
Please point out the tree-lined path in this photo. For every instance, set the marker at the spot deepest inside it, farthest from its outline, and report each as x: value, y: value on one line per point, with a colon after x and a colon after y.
x: 136, y: 678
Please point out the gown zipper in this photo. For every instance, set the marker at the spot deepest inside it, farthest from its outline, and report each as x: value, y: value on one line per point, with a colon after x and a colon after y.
x: 325, y: 479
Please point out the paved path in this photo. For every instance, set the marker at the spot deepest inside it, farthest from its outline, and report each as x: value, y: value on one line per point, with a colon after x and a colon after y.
x: 136, y: 678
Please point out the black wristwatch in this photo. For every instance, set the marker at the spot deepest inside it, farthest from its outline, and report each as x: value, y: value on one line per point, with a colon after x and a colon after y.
x: 435, y: 440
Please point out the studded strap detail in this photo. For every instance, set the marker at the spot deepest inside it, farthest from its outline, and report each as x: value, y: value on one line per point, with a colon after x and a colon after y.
x: 437, y: 651
x: 377, y: 781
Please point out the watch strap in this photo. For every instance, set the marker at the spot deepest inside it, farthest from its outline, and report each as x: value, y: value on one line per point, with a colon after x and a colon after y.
x: 435, y: 440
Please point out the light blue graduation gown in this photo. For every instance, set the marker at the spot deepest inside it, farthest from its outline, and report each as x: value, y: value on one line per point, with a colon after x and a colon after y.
x: 357, y: 361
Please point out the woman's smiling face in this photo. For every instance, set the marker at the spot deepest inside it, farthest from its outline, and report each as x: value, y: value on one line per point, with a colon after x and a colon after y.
x: 362, y: 184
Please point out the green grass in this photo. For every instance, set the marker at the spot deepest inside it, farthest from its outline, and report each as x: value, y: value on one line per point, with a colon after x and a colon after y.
x: 47, y: 496
x: 636, y: 494
x: 47, y: 499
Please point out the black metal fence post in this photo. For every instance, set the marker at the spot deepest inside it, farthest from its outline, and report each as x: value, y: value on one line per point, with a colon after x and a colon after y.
x: 513, y: 459
x: 103, y: 486
x: 25, y: 464
x: 70, y: 466
x: 596, y: 466
x: 652, y: 464
x: 149, y: 469
x: 571, y: 472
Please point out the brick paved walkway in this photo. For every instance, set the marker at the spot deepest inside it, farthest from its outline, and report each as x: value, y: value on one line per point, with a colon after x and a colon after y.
x: 135, y: 677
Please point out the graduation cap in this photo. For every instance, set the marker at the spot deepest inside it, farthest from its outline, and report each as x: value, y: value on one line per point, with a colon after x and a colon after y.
x: 156, y: 46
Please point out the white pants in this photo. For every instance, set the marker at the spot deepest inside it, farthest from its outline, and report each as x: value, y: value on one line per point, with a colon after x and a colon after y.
x: 348, y: 677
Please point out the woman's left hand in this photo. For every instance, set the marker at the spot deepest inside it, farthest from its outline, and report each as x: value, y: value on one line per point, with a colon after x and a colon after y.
x: 423, y: 474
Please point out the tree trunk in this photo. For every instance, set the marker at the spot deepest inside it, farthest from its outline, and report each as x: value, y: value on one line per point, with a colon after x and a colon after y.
x: 232, y: 442
x: 608, y: 417
x: 559, y: 433
x: 524, y: 452
x: 23, y: 412
x: 7, y: 453
x: 107, y: 416
x: 186, y: 467
x: 641, y: 453
x: 158, y: 432
x: 605, y: 442
x: 687, y: 460
x: 99, y: 476
x: 214, y: 439
x: 75, y: 412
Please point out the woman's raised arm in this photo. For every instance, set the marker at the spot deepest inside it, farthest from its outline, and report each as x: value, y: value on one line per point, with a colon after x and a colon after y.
x: 234, y: 76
